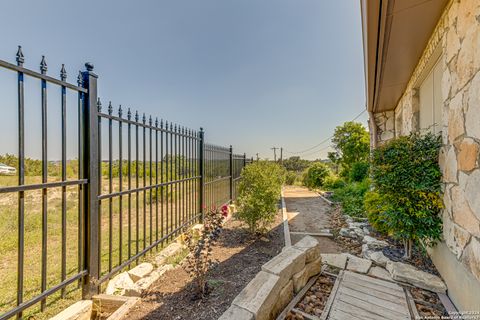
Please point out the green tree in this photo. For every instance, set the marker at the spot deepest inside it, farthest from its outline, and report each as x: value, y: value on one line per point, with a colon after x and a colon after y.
x: 260, y: 189
x: 351, y: 142
x: 407, y: 178
x: 296, y: 164
x: 315, y: 175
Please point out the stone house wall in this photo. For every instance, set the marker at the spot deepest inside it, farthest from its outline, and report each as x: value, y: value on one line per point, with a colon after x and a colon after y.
x: 456, y: 40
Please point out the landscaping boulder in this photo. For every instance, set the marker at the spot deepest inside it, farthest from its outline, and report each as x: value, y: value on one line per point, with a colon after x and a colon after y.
x: 310, y: 246
x: 286, y: 264
x: 374, y: 243
x: 358, y: 264
x: 406, y: 273
x: 347, y: 233
x: 260, y: 295
x: 173, y: 249
x: 337, y: 260
x: 146, y: 282
x: 300, y: 279
x: 376, y: 256
x: 140, y: 271
x: 119, y: 284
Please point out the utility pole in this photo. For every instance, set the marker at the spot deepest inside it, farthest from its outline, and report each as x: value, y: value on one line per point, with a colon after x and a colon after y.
x: 274, y: 153
x: 281, y: 155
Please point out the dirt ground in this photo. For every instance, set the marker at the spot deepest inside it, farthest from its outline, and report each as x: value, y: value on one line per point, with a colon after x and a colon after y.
x: 240, y: 257
x: 308, y: 213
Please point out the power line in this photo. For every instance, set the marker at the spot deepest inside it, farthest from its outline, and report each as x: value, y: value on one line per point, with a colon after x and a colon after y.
x: 323, y: 141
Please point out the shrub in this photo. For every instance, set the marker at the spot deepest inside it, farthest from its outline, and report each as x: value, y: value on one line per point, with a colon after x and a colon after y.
x: 199, y: 260
x: 333, y: 182
x: 359, y: 171
x: 315, y: 175
x: 352, y: 196
x: 375, y: 207
x: 290, y: 178
x: 406, y: 175
x: 259, y: 193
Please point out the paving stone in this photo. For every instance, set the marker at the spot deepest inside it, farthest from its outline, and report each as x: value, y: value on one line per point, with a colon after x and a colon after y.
x: 300, y: 279
x: 358, y: 264
x: 260, y: 295
x: 285, y: 264
x: 376, y: 256
x: 140, y: 271
x: 380, y: 273
x: 337, y: 260
x: 406, y: 273
x: 310, y: 246
x: 236, y: 313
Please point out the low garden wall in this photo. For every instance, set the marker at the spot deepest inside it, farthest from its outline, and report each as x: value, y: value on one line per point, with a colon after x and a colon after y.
x: 275, y: 285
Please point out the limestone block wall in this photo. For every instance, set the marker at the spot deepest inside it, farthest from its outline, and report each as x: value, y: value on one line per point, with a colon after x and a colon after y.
x: 457, y: 38
x: 385, y: 126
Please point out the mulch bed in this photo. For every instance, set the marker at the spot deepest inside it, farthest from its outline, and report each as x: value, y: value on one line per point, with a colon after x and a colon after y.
x: 315, y: 299
x: 240, y: 257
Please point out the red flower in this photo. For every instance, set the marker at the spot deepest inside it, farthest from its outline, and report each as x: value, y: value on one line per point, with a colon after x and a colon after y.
x: 224, y: 210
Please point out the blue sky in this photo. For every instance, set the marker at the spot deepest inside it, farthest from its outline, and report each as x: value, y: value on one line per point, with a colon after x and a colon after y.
x: 253, y: 73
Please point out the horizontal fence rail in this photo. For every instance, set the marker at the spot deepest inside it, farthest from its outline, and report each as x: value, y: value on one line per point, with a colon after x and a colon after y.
x: 134, y: 184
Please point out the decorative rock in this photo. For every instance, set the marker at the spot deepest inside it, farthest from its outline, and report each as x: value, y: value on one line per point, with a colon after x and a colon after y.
x: 310, y: 246
x: 471, y: 191
x: 172, y: 250
x: 285, y: 296
x: 380, y: 273
x: 347, y: 233
x: 376, y: 256
x: 119, y: 284
x: 358, y: 264
x: 359, y: 232
x: 310, y: 269
x: 237, y: 313
x: 286, y: 264
x: 366, y: 231
x: 462, y: 214
x: 143, y: 284
x: 336, y: 260
x: 140, y: 271
x: 406, y: 273
x: 373, y: 243
x: 260, y: 295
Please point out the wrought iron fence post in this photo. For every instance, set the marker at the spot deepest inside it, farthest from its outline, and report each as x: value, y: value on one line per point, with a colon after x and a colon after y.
x: 231, y: 174
x: 201, y: 165
x: 91, y: 164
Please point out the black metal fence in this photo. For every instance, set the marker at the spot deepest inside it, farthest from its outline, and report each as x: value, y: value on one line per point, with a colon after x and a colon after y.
x: 139, y: 181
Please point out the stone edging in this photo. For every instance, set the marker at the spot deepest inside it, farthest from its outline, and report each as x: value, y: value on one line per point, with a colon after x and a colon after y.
x: 274, y: 286
x: 286, y: 229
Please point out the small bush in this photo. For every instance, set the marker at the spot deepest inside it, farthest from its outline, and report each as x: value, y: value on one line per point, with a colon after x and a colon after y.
x: 352, y: 197
x: 199, y: 259
x: 315, y: 175
x: 359, y: 171
x: 291, y: 178
x: 375, y: 207
x: 333, y: 182
x: 407, y: 176
x: 259, y: 193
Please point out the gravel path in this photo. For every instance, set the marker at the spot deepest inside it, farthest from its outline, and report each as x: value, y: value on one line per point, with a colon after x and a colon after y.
x: 308, y: 213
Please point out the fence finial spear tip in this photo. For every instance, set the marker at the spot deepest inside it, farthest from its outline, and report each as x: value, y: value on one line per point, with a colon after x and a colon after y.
x: 156, y: 122
x: 120, y: 112
x: 136, y: 115
x: 20, y: 57
x: 129, y: 114
x: 161, y: 123
x: 63, y: 73
x: 144, y: 119
x: 89, y: 66
x: 110, y: 108
x: 43, y: 65
x: 99, y: 105
x: 150, y: 120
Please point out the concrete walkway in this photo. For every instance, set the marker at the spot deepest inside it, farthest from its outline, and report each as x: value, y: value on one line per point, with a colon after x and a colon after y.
x: 308, y: 214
